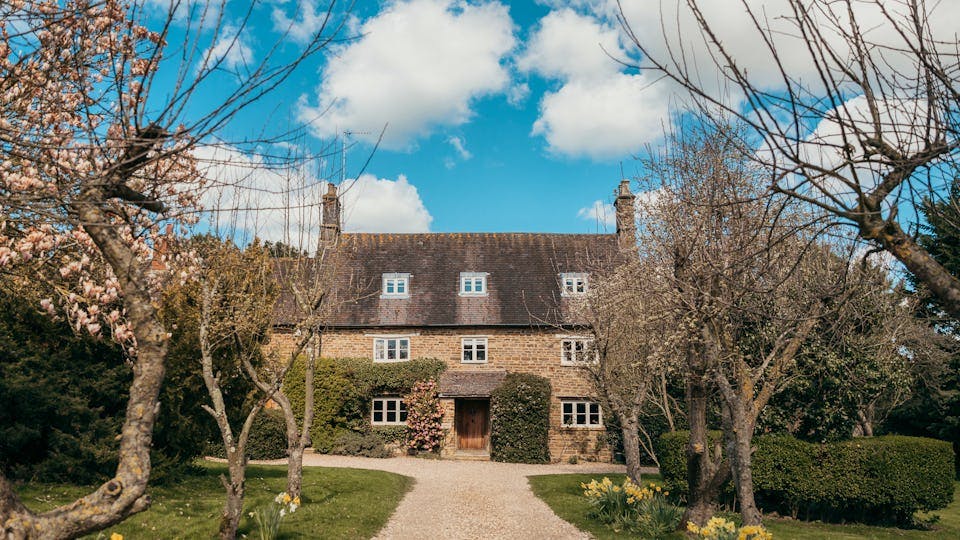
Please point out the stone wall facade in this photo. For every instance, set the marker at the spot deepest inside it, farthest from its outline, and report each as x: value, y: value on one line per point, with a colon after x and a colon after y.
x: 511, y: 349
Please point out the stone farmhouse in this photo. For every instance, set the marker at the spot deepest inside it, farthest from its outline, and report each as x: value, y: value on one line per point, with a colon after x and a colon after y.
x: 484, y: 303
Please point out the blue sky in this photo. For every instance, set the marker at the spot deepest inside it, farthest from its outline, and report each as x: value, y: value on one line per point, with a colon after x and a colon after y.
x: 471, y: 143
x: 501, y: 116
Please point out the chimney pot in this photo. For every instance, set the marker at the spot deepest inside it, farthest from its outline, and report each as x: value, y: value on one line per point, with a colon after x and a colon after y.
x: 330, y: 218
x: 626, y: 216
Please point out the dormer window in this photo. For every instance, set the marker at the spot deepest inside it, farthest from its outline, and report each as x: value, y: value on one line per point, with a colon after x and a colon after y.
x: 473, y: 283
x: 396, y: 286
x: 573, y: 284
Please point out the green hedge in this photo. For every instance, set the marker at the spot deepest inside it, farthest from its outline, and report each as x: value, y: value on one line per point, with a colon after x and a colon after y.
x: 520, y: 419
x: 268, y: 436
x: 343, y: 389
x: 872, y: 480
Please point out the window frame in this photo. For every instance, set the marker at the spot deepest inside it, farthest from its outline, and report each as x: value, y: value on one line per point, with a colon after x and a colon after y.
x: 472, y: 277
x: 575, y: 361
x: 474, y: 341
x: 385, y: 340
x: 587, y: 414
x: 397, y: 278
x: 575, y: 277
x: 400, y: 410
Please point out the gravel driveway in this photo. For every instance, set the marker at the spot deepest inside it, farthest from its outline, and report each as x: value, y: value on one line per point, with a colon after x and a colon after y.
x: 468, y: 499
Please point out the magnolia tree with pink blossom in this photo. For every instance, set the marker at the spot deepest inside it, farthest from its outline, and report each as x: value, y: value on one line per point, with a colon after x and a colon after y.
x: 424, y: 417
x: 95, y: 178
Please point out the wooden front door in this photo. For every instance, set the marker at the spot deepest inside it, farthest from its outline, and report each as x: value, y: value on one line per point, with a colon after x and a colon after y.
x: 473, y: 424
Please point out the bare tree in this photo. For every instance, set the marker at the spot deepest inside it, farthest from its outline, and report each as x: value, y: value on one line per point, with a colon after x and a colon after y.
x: 309, y: 284
x: 630, y: 320
x: 853, y: 107
x: 235, y: 293
x: 749, y: 285
x: 96, y: 153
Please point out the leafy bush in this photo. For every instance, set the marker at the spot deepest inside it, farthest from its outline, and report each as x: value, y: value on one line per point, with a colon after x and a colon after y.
x: 873, y: 480
x: 424, y: 417
x: 368, y: 444
x: 62, y: 398
x: 344, y: 388
x: 520, y: 419
x: 391, y: 434
x: 629, y: 507
x: 268, y: 436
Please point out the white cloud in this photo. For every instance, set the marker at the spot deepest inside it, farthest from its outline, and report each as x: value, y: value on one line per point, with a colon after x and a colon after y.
x: 599, y: 212
x: 568, y: 45
x: 832, y: 147
x: 603, y: 118
x: 372, y: 204
x: 235, y: 51
x: 419, y: 64
x: 599, y: 111
x: 195, y: 14
x: 458, y: 144
x: 517, y: 94
x: 246, y: 197
x: 734, y: 28
x: 305, y: 23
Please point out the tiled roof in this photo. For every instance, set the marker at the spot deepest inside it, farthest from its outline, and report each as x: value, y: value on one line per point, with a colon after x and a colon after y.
x: 522, y: 278
x: 470, y: 383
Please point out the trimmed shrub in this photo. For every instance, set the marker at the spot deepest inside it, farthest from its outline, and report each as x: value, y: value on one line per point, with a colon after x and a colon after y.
x: 360, y: 444
x: 520, y: 419
x: 343, y: 389
x: 872, y: 480
x: 268, y: 436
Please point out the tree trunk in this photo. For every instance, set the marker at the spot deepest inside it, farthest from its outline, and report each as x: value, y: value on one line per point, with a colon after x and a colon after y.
x: 234, y: 488
x: 864, y: 425
x: 631, y: 446
x: 296, y: 442
x: 295, y: 471
x: 705, y: 477
x: 739, y: 438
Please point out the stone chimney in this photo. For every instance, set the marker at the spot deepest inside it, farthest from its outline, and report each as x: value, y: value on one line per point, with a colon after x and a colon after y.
x: 626, y: 217
x: 330, y: 219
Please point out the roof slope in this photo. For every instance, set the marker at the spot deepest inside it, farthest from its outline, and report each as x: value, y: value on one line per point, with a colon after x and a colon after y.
x: 522, y: 281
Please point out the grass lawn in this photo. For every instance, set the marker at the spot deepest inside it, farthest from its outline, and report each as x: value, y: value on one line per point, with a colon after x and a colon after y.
x: 337, y: 503
x: 562, y: 492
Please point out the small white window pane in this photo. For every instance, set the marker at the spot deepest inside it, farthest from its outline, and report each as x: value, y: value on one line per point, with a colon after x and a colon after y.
x: 401, y: 286
x: 467, y: 353
x: 404, y: 349
x: 481, y: 352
